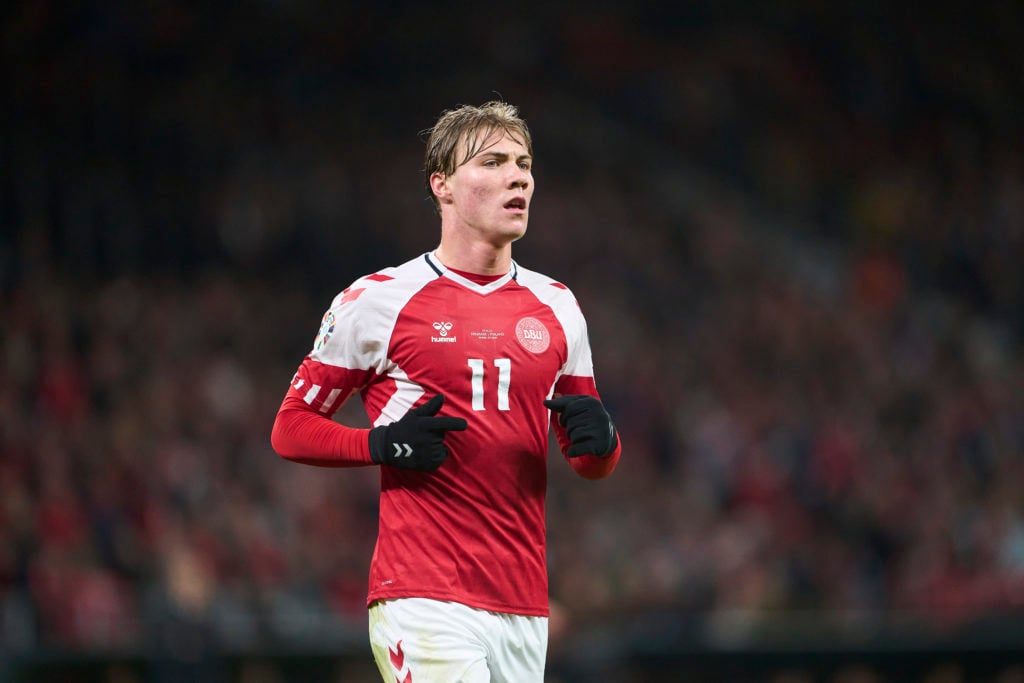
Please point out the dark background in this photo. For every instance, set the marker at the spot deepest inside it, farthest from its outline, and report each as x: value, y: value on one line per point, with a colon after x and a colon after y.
x: 796, y: 230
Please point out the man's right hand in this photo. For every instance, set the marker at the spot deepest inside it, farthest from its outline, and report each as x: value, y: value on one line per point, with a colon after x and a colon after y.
x: 416, y: 441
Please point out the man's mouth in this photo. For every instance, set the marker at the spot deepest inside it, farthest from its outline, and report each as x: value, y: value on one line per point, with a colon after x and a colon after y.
x: 517, y: 203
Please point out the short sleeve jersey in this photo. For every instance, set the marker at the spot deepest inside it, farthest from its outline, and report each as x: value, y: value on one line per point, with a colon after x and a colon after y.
x: 473, y: 531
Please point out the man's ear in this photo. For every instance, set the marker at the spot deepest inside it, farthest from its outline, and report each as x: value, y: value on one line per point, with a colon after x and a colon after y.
x: 439, y: 186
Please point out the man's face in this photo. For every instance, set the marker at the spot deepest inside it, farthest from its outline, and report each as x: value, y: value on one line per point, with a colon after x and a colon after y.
x: 489, y: 195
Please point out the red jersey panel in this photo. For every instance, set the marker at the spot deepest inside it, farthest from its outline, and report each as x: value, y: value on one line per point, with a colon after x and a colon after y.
x: 472, y: 531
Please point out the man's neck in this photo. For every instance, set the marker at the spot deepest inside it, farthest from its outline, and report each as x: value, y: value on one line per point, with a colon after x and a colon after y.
x: 483, y: 259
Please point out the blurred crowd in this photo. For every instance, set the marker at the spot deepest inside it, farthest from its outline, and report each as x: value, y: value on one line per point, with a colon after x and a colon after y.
x: 797, y: 238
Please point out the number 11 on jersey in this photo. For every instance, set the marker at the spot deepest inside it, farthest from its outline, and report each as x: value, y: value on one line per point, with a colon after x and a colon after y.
x: 504, y: 366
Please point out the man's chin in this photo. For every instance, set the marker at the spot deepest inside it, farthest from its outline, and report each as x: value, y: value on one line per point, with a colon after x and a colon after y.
x: 513, y: 230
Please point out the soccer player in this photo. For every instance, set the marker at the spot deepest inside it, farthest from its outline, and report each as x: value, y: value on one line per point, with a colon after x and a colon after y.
x: 462, y: 358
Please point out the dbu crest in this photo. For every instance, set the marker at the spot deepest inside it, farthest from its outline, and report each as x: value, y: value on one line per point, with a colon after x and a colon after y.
x: 532, y: 335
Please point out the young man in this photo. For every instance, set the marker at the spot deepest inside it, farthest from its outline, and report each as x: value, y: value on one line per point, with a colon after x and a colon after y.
x: 462, y: 358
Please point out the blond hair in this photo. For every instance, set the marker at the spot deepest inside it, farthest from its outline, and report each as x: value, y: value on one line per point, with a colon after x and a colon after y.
x: 474, y: 125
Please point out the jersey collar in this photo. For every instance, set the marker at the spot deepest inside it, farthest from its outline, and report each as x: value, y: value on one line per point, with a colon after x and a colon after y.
x: 442, y: 271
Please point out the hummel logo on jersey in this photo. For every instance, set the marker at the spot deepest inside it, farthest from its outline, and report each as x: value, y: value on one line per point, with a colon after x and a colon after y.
x: 442, y: 329
x: 402, y: 450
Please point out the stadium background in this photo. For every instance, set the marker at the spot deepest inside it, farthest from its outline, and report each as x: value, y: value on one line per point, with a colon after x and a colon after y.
x: 797, y: 234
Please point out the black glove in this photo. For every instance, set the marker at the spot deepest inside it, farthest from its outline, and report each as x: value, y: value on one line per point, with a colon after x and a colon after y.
x: 587, y: 423
x: 415, y: 442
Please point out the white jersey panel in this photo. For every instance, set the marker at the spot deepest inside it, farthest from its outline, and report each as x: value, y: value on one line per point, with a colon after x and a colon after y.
x: 563, y: 304
x: 356, y: 330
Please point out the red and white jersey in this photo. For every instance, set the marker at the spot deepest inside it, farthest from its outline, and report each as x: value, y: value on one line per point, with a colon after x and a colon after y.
x: 473, y: 531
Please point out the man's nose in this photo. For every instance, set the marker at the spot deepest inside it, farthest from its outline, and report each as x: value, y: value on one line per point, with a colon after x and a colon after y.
x: 520, y: 179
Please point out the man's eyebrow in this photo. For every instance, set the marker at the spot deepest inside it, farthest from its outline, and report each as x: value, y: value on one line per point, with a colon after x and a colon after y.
x: 503, y: 156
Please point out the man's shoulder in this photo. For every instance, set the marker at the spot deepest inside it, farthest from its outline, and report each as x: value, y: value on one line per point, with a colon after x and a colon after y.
x: 387, y: 281
x: 413, y: 270
x: 381, y: 294
x: 541, y: 283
